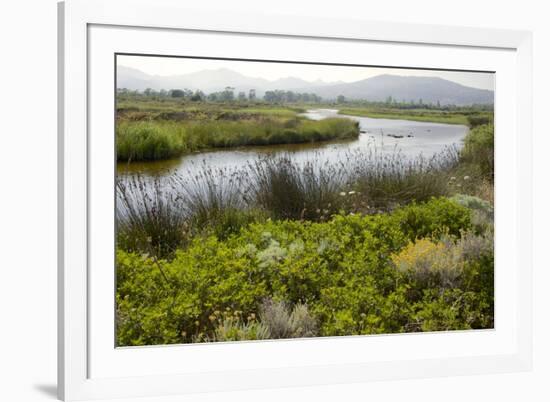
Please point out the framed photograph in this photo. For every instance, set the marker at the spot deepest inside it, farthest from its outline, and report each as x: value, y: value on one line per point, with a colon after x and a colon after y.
x: 254, y: 201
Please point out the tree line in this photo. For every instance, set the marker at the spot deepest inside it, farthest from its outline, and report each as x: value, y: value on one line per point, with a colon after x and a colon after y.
x: 279, y: 96
x: 227, y: 95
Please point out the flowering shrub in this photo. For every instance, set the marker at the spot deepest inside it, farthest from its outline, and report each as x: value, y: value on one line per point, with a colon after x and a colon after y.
x: 431, y: 263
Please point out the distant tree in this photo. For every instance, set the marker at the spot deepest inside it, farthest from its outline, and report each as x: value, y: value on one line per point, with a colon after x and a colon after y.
x: 177, y: 93
x: 291, y: 96
x: 198, y: 96
x: 270, y: 96
x: 148, y: 92
x: 315, y: 98
x: 242, y: 96
x: 228, y: 94
x: 341, y: 99
x: 187, y: 93
x: 252, y: 94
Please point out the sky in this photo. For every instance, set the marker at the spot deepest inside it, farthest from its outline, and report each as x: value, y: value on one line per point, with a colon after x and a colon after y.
x: 166, y: 66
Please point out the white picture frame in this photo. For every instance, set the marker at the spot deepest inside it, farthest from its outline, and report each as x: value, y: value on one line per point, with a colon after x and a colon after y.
x: 90, y: 32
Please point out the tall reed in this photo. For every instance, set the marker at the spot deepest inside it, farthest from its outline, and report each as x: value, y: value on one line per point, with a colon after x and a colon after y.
x: 161, y: 215
x: 289, y: 190
x: 150, y: 216
x: 387, y: 180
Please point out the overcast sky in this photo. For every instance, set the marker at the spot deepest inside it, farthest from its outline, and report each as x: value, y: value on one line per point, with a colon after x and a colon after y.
x: 272, y: 71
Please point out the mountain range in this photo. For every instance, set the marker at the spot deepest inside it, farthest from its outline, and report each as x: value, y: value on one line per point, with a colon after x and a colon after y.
x: 378, y: 88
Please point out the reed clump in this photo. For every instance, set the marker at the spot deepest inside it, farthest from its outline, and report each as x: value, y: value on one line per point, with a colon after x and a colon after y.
x: 163, y: 139
x: 162, y: 214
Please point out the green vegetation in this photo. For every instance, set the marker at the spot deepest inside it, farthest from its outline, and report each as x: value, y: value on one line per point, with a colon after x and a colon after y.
x: 150, y: 140
x: 479, y: 150
x: 374, y: 243
x: 161, y: 128
x: 293, y: 251
x: 160, y: 216
x: 419, y: 268
x: 459, y: 116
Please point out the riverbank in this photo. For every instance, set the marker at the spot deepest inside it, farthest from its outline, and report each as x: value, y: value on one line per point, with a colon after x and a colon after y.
x: 162, y: 139
x: 422, y: 115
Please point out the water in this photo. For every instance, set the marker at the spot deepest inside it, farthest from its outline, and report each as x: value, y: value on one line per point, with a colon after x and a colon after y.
x: 411, y: 138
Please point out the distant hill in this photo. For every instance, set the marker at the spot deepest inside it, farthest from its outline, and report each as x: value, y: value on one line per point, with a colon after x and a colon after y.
x: 207, y: 81
x: 407, y: 88
x: 379, y: 88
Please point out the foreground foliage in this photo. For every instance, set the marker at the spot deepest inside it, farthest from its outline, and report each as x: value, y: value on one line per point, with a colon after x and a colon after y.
x: 422, y: 267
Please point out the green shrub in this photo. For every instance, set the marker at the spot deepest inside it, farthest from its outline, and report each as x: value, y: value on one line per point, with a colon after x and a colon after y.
x: 341, y: 269
x: 442, y: 216
x: 482, y: 211
x: 479, y: 149
x: 474, y: 203
x: 431, y: 264
x: 284, y: 322
x: 232, y: 329
x: 453, y: 309
x: 479, y: 120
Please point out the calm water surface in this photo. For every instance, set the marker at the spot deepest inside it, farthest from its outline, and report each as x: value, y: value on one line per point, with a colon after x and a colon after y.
x: 411, y: 138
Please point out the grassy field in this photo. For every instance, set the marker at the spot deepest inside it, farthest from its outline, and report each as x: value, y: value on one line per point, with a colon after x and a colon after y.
x: 427, y: 115
x: 150, y: 128
x: 153, y: 129
x: 162, y: 139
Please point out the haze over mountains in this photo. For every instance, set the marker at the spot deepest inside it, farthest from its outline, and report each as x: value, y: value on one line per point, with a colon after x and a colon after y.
x: 378, y: 88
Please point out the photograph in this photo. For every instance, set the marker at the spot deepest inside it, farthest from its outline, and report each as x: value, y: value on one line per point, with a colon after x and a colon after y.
x: 264, y: 200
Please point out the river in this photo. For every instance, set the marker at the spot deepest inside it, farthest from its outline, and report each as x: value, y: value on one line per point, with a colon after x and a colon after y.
x: 411, y: 138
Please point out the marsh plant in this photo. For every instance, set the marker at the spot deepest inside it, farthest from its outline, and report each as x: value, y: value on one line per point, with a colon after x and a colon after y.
x: 389, y: 179
x: 160, y: 215
x: 289, y: 190
x: 149, y: 216
x: 152, y: 139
